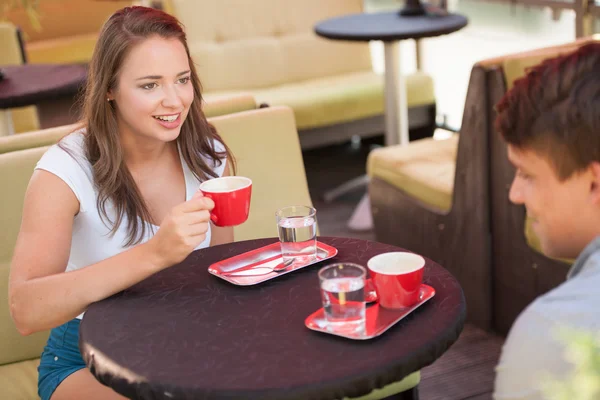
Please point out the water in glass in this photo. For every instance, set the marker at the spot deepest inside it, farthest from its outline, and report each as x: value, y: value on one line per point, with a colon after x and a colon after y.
x: 344, y: 302
x: 298, y: 237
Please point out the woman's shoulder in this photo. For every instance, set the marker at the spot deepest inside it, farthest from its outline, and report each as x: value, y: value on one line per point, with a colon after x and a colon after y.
x: 68, y: 155
x: 67, y: 160
x: 74, y: 141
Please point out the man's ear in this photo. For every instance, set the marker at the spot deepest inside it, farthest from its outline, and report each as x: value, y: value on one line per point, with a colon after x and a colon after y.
x: 594, y: 170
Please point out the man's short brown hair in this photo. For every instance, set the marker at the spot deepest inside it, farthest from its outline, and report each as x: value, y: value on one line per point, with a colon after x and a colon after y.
x: 555, y: 110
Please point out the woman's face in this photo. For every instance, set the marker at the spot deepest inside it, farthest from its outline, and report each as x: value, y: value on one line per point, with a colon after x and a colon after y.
x: 154, y: 91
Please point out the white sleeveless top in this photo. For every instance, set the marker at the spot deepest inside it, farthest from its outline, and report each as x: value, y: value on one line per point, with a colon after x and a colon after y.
x: 91, y: 241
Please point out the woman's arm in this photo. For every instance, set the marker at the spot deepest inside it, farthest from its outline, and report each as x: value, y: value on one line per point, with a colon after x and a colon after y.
x: 42, y: 295
x: 221, y: 235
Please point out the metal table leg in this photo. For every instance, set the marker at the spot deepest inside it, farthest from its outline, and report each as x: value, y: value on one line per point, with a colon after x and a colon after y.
x: 396, y: 125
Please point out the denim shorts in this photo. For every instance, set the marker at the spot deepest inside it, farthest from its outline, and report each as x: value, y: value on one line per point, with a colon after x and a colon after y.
x: 60, y: 358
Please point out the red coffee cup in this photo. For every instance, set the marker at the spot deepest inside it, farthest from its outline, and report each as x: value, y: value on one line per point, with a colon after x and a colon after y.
x: 231, y: 195
x: 397, y: 278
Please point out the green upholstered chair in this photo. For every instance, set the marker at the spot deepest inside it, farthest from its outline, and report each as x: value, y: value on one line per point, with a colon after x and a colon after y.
x: 270, y: 50
x: 213, y: 106
x: 431, y: 197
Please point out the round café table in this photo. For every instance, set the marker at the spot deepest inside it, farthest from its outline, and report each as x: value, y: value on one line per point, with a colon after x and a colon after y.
x: 391, y: 27
x: 29, y: 84
x: 186, y: 334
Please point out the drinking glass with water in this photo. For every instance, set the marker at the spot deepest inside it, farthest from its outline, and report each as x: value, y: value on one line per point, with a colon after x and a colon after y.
x: 343, y: 295
x: 297, y: 226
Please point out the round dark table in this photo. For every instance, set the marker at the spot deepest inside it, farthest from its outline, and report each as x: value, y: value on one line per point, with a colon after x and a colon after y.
x: 391, y: 27
x: 24, y: 85
x: 29, y: 84
x: 186, y: 334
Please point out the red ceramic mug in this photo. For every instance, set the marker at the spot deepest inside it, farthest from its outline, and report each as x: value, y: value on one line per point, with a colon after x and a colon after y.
x: 231, y: 195
x: 397, y: 278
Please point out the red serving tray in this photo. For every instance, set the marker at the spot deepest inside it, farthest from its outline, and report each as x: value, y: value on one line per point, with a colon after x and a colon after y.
x: 254, y: 267
x: 378, y: 319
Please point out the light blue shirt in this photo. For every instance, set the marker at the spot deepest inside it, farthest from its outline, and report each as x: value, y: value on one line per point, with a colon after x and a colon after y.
x: 532, y: 351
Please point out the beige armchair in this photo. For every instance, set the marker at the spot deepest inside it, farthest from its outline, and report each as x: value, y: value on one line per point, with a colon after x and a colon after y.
x: 431, y: 197
x: 269, y: 48
x: 60, y: 41
x: 19, y: 356
x: 266, y: 147
x: 448, y: 200
x: 213, y: 106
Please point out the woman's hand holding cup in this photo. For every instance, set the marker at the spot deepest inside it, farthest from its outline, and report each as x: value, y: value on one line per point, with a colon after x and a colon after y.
x: 182, y: 230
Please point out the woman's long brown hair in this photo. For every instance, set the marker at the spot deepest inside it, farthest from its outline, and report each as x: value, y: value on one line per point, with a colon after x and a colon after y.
x: 114, y: 182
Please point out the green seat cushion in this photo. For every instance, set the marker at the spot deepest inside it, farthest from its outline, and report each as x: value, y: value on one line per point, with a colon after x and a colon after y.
x: 516, y: 66
x: 13, y: 346
x: 45, y: 137
x: 215, y: 105
x: 18, y: 381
x: 424, y: 169
x: 341, y: 98
x: 405, y: 384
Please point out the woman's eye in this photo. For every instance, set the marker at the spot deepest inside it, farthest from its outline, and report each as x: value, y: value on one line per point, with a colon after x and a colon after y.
x: 185, y: 80
x: 149, y: 86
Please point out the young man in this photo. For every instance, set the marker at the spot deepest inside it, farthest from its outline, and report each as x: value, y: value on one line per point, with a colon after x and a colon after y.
x: 551, y: 123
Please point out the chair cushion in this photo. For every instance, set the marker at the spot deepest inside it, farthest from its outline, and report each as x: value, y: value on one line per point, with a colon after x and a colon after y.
x: 259, y: 44
x: 266, y: 147
x: 13, y: 346
x: 515, y: 66
x: 215, y: 105
x: 15, y: 171
x: 64, y: 50
x: 423, y: 169
x: 324, y: 81
x: 18, y: 381
x: 393, y: 388
x: 341, y: 98
x: 44, y: 137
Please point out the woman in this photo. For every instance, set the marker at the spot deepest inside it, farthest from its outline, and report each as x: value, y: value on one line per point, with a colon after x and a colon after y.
x: 116, y: 201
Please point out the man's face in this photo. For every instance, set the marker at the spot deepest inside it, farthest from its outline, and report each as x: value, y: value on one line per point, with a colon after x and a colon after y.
x: 563, y: 213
